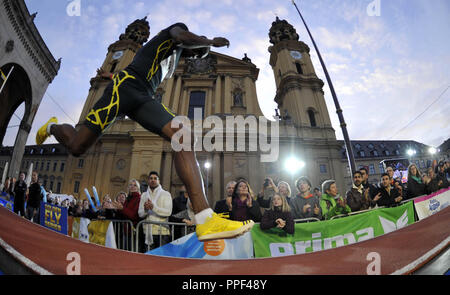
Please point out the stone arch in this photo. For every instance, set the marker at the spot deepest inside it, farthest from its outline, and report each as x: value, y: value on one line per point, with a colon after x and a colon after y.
x: 16, y: 91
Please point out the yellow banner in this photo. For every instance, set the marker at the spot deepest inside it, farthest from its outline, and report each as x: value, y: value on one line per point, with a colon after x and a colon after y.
x: 97, y: 231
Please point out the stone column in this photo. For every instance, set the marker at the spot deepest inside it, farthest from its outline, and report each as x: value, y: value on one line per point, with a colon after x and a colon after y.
x: 216, y: 179
x: 19, y: 148
x: 227, y: 98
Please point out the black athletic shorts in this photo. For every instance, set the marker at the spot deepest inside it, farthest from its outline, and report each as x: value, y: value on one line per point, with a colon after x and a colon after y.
x: 127, y: 95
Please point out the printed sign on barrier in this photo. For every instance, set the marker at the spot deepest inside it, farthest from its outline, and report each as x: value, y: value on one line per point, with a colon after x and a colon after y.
x: 54, y: 217
x: 433, y: 203
x: 6, y: 204
x: 317, y: 236
x: 190, y: 247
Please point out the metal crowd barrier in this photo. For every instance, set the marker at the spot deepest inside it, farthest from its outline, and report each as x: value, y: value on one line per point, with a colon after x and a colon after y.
x: 303, y: 220
x: 185, y: 229
x: 124, y: 232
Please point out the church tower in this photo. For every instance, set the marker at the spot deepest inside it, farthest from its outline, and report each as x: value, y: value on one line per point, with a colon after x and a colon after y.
x: 306, y: 132
x: 106, y: 165
x: 299, y: 96
x: 120, y: 55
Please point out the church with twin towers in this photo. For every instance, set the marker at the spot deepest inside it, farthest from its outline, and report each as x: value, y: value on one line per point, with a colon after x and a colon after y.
x: 220, y: 86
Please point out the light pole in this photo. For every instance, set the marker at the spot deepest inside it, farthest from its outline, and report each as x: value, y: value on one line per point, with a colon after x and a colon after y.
x: 350, y: 157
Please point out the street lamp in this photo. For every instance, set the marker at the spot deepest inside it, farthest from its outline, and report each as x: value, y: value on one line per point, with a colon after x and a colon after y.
x: 411, y: 152
x: 432, y: 150
x: 292, y: 165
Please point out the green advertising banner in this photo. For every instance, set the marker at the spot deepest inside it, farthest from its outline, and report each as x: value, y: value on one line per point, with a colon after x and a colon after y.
x: 316, y: 236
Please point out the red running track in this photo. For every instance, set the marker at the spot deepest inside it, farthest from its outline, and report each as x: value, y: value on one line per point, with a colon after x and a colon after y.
x: 402, y: 252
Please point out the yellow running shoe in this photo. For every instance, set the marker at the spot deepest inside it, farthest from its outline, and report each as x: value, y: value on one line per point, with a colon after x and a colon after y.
x: 42, y: 133
x: 216, y: 228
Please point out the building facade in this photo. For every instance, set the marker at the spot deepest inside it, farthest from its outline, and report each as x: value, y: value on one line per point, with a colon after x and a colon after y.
x: 48, y: 160
x: 221, y: 87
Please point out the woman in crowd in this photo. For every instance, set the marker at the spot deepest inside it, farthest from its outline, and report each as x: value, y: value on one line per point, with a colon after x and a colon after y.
x: 267, y: 191
x: 331, y: 202
x: 245, y: 206
x: 279, y: 215
x: 285, y: 190
x: 416, y: 187
x: 129, y: 208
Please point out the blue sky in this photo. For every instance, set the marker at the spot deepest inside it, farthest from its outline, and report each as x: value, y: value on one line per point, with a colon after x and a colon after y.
x: 386, y: 69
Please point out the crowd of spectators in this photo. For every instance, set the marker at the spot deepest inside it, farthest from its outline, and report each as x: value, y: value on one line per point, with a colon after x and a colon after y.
x: 275, y: 206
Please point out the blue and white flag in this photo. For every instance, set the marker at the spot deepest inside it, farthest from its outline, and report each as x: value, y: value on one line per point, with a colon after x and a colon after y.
x: 190, y: 247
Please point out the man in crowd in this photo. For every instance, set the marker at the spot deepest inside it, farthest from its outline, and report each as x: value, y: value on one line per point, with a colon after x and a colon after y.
x: 20, y: 189
x: 365, y: 182
x: 34, y: 199
x: 225, y: 205
x: 357, y: 197
x: 155, y: 205
x: 387, y: 195
x: 305, y: 204
x: 180, y: 212
x: 441, y: 176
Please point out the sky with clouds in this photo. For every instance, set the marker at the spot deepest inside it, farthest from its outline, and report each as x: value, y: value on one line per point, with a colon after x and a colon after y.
x: 387, y: 69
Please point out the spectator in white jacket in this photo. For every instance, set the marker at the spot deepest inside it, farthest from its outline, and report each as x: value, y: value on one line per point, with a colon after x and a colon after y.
x: 155, y: 205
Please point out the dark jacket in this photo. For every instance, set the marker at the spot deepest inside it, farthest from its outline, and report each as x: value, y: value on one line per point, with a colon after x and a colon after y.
x: 20, y: 188
x: 221, y: 207
x: 253, y: 213
x: 443, y: 177
x: 356, y: 201
x: 34, y: 195
x: 432, y: 186
x: 388, y: 199
x: 298, y: 202
x: 178, y: 204
x: 269, y: 217
x: 415, y: 189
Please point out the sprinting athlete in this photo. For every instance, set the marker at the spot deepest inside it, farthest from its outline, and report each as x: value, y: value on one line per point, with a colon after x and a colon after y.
x: 131, y: 93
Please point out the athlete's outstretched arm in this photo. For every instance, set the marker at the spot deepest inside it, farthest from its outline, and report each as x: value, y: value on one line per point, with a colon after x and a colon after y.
x: 188, y: 38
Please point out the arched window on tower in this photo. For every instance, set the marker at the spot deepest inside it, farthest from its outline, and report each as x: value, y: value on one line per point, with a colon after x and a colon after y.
x: 299, y: 68
x: 113, y: 67
x: 312, y: 118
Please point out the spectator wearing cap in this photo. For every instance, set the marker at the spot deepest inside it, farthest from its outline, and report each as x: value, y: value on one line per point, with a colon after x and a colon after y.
x: 331, y: 202
x: 305, y: 204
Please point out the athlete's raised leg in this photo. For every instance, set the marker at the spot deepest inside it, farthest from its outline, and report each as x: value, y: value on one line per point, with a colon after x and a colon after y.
x: 76, y: 141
